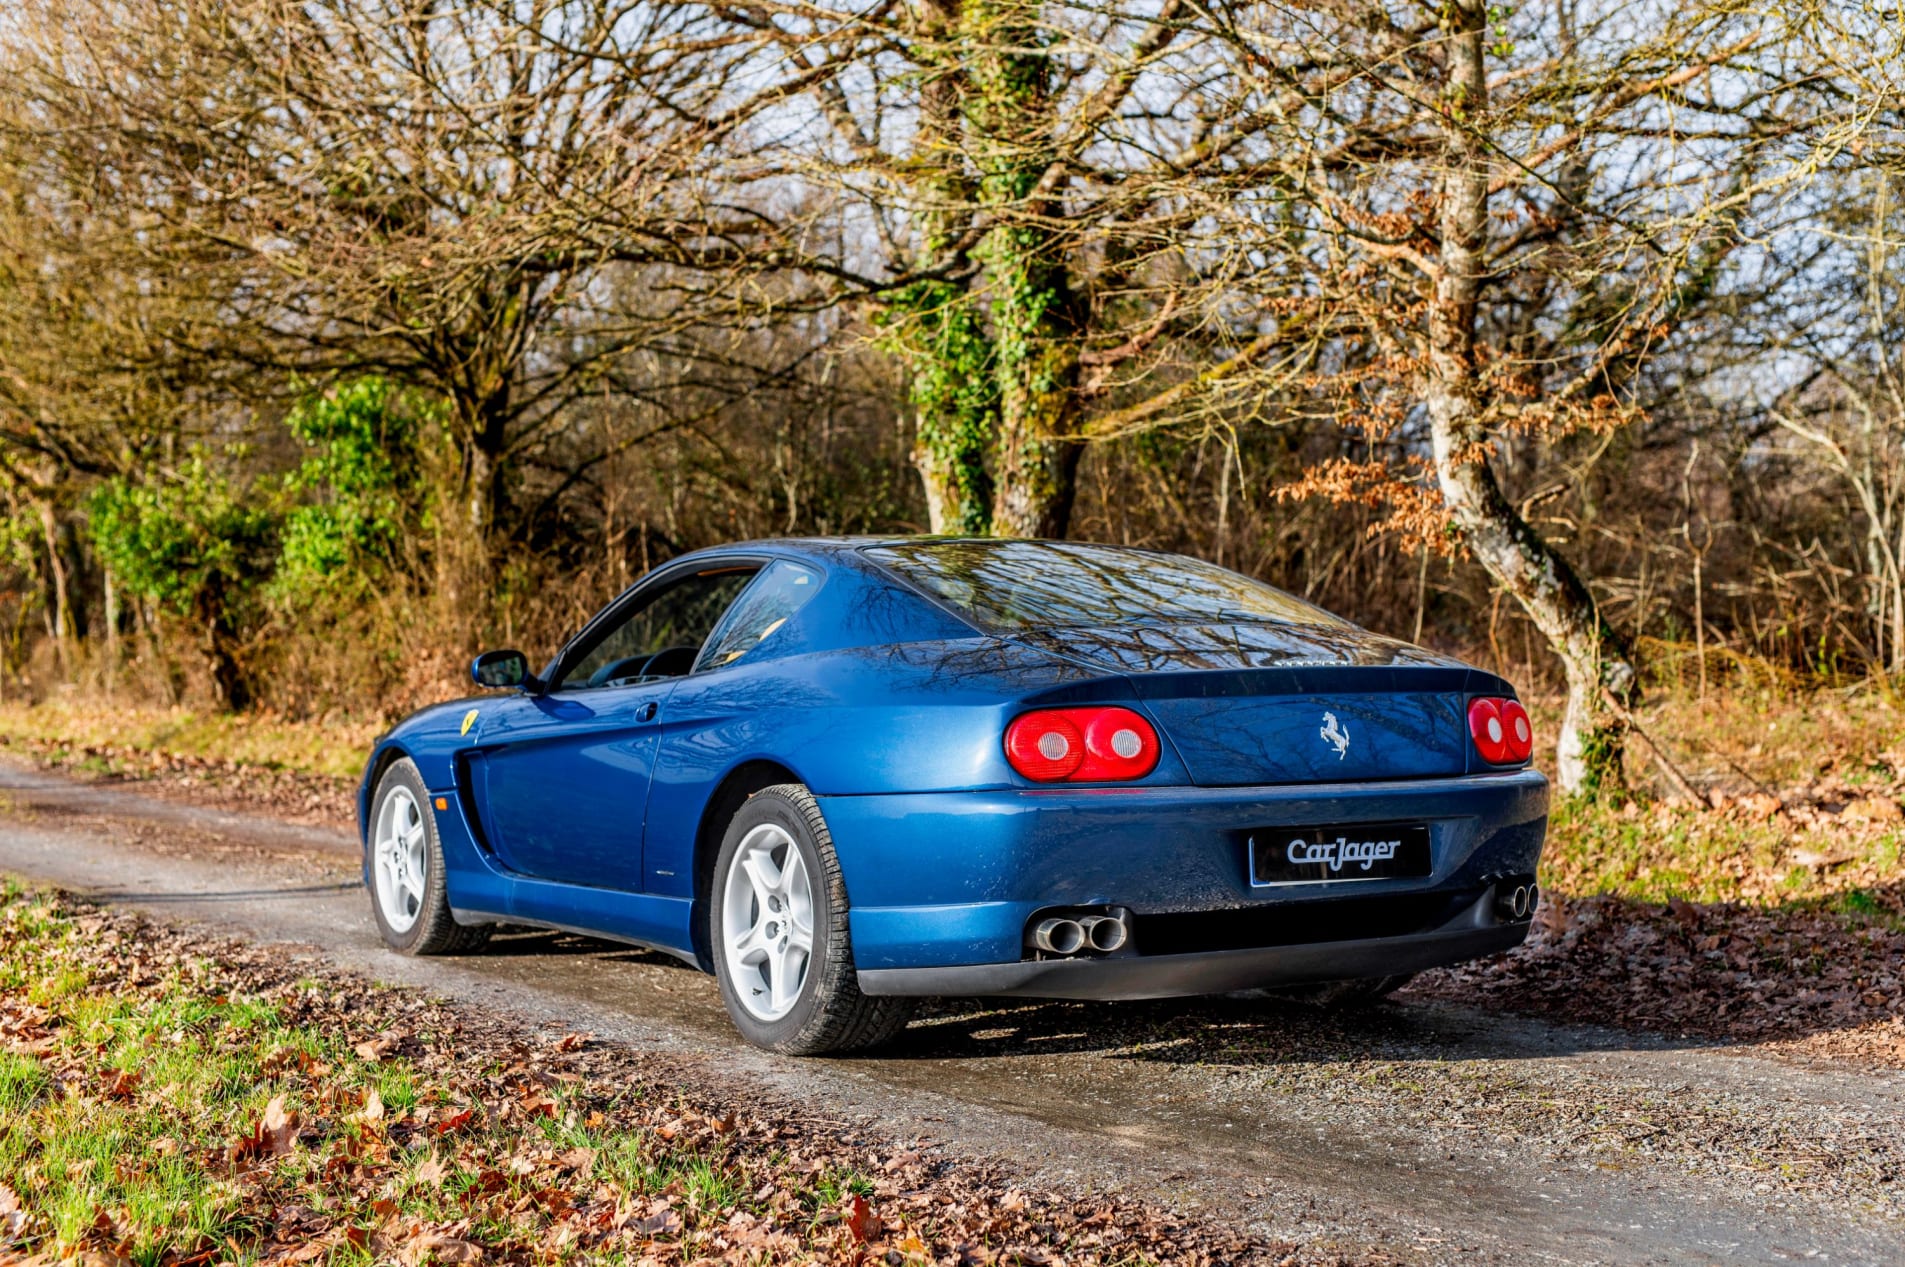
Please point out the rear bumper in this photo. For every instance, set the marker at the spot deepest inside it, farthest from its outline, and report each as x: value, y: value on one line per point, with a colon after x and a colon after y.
x: 1470, y: 935
x: 949, y: 879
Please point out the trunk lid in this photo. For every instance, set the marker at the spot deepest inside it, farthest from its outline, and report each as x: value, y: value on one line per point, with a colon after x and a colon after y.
x: 1268, y: 703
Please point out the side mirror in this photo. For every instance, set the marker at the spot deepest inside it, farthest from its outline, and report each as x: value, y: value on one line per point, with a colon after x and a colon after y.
x: 503, y: 670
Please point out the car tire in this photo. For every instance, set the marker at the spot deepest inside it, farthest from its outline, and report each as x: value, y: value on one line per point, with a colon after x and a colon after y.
x: 1341, y: 994
x: 776, y: 871
x: 412, y: 910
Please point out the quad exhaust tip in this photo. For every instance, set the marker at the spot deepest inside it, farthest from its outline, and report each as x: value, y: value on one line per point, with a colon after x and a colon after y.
x: 1104, y: 933
x: 1070, y: 935
x: 1519, y: 902
x: 1059, y: 936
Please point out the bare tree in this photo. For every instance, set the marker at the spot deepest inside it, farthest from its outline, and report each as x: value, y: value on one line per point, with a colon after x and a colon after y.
x: 392, y: 186
x: 1848, y: 411
x: 1484, y: 222
x: 1455, y: 231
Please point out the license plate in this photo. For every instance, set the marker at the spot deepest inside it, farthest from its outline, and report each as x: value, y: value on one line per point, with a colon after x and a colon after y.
x: 1369, y: 851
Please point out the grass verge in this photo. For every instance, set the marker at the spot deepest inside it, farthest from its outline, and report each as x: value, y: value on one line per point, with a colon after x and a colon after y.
x: 1805, y: 809
x: 162, y: 1106
x: 101, y: 738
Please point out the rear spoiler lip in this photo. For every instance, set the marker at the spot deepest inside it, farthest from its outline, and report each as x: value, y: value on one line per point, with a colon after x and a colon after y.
x: 1318, y: 679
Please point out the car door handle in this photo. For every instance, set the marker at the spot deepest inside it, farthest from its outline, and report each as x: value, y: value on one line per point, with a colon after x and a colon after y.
x: 647, y: 711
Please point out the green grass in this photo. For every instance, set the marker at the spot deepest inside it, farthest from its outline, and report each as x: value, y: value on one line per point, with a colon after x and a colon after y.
x: 1657, y: 853
x: 134, y: 1084
x: 130, y: 1109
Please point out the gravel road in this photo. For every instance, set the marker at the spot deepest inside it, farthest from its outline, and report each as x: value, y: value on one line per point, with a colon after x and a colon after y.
x: 1421, y: 1131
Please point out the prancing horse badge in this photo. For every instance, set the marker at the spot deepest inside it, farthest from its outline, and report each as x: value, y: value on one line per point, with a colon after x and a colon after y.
x: 1334, y: 735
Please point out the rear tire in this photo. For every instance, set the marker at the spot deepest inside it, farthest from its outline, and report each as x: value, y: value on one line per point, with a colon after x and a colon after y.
x: 407, y: 895
x: 777, y: 929
x: 1342, y: 995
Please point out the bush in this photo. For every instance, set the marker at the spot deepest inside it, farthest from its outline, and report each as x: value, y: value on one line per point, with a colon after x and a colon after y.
x: 200, y: 547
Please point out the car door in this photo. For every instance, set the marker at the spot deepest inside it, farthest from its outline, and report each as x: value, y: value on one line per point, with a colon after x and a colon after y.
x: 561, y: 779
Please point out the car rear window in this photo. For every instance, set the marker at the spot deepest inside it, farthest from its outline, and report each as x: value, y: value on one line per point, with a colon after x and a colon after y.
x: 1004, y: 586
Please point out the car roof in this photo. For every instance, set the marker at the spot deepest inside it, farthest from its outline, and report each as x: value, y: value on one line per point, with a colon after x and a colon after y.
x: 855, y: 544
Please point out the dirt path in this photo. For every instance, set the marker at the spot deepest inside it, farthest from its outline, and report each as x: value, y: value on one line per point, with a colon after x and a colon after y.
x: 1421, y: 1129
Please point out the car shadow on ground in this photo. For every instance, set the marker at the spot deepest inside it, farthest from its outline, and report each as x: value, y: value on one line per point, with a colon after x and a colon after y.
x: 1247, y: 1029
x: 1603, y: 974
x: 514, y: 941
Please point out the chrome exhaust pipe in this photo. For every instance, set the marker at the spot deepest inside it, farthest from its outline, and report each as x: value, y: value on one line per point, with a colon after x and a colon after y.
x: 1517, y: 903
x: 1059, y: 936
x: 1104, y: 933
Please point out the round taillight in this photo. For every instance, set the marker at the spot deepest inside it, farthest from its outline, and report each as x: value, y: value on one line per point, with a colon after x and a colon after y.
x: 1119, y: 744
x: 1520, y: 732
x: 1489, y: 731
x: 1046, y: 747
x: 1082, y: 745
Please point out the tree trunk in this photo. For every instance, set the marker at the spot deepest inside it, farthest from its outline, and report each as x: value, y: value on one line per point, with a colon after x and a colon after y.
x: 112, y: 630
x: 937, y: 326
x: 217, y: 644
x: 1515, y: 555
x: 62, y: 606
x: 483, y: 427
x: 956, y: 484
x: 1037, y: 470
x: 1010, y: 114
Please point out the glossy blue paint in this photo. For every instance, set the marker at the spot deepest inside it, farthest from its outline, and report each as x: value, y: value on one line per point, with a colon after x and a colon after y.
x: 584, y: 808
x: 560, y: 782
x: 484, y: 890
x: 951, y: 878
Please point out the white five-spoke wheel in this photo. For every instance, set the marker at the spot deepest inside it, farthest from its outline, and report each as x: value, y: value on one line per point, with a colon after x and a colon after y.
x: 768, y: 917
x: 399, y: 862
x: 409, y: 893
x: 778, y: 932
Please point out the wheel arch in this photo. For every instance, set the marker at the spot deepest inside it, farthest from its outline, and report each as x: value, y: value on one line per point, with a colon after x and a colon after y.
x: 729, y: 795
x: 381, y: 760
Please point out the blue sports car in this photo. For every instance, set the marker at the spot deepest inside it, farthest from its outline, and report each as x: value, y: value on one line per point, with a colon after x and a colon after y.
x: 845, y: 774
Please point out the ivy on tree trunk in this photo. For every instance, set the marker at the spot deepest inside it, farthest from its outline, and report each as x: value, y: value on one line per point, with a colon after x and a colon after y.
x: 990, y: 342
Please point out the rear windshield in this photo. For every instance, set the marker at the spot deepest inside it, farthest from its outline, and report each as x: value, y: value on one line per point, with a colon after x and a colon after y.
x: 1016, y: 585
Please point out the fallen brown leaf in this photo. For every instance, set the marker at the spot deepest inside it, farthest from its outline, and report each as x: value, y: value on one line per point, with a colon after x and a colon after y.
x: 13, y: 1216
x: 279, y: 1127
x: 432, y: 1171
x: 454, y: 1122
x: 580, y: 1160
x: 860, y: 1219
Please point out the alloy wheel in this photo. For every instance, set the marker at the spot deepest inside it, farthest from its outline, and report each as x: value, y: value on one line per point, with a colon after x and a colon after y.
x: 767, y: 919
x: 399, y: 865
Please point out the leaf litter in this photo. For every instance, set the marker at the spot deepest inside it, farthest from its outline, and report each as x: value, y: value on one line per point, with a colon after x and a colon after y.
x: 287, y: 1116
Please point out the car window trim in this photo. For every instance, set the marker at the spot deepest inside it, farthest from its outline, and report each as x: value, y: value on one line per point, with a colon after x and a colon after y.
x: 820, y: 578
x: 645, y: 589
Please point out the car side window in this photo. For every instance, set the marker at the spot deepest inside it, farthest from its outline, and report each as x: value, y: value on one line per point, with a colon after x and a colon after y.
x: 662, y: 637
x: 780, y: 590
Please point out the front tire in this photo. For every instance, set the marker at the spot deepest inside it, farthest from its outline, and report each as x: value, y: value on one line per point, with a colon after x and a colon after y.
x: 407, y: 895
x: 777, y: 915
